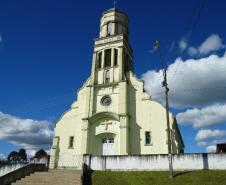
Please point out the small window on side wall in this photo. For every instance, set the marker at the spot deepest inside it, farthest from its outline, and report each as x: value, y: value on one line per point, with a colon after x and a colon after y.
x: 147, y: 137
x: 71, y: 142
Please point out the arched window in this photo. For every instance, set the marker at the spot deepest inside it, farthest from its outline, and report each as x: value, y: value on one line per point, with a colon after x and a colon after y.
x: 107, y: 77
x: 109, y: 29
x: 107, y: 58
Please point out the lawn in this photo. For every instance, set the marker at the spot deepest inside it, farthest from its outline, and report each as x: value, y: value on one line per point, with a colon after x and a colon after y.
x: 202, y: 177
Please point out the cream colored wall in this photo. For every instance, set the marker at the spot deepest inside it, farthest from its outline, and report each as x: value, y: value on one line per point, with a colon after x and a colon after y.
x: 66, y: 127
x: 144, y: 115
x: 150, y: 116
x: 100, y: 92
x: 114, y: 77
x: 70, y: 124
x: 111, y: 17
x: 98, y: 132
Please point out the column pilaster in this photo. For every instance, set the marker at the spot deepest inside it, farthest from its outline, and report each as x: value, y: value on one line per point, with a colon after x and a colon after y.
x: 93, y: 72
x: 102, y: 61
x: 54, y: 153
x: 120, y: 63
x: 124, y: 134
x: 85, y: 137
x: 124, y: 118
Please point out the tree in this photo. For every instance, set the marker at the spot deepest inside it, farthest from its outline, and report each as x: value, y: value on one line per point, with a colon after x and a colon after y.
x: 40, y: 154
x: 13, y: 157
x: 17, y: 157
x: 23, y: 155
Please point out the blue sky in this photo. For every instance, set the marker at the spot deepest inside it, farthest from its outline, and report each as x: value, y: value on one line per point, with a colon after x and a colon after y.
x: 46, y: 54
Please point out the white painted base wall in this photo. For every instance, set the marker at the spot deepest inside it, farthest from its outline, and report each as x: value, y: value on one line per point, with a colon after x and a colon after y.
x: 9, y: 168
x: 156, y: 162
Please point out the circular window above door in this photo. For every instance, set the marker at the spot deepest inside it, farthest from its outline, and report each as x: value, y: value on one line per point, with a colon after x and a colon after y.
x: 106, y: 100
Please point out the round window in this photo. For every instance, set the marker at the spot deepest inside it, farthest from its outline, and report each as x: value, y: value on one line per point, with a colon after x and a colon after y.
x: 105, y: 100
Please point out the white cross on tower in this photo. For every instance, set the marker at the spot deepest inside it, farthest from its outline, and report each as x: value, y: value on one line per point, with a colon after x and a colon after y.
x: 106, y: 123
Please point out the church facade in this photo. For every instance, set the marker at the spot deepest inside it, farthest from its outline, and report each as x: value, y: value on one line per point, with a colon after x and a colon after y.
x: 112, y: 115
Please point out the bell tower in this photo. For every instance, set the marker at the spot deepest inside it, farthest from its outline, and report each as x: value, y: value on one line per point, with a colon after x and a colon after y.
x: 112, y: 53
x: 107, y: 97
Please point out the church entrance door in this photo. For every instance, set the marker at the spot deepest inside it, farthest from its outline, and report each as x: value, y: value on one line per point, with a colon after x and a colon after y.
x: 108, y: 144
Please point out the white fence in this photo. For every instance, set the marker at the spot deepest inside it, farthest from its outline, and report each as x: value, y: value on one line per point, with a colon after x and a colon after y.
x: 9, y: 168
x: 12, y: 167
x: 156, y: 162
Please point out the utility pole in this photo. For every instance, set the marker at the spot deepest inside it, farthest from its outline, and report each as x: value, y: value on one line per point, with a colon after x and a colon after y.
x: 165, y: 84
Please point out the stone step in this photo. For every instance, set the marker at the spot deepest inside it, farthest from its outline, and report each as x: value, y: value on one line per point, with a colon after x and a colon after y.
x: 55, y: 175
x: 49, y: 180
x: 51, y: 183
x: 48, y: 183
x: 52, y: 177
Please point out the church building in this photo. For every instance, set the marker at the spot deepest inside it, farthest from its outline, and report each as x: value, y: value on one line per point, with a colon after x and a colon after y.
x: 113, y: 115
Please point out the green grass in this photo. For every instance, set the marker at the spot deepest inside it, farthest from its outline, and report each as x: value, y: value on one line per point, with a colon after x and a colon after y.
x: 202, y: 177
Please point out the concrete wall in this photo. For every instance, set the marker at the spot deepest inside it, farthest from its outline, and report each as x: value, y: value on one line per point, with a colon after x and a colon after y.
x: 156, y: 162
x: 9, y: 168
x: 21, y: 172
x: 13, y: 167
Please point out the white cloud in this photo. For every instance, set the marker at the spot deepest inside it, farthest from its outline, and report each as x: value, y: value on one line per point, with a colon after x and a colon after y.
x: 202, y: 143
x: 211, y: 149
x: 192, y: 51
x: 183, y: 44
x: 25, y: 133
x: 198, y: 82
x: 2, y: 156
x: 212, y: 43
x: 217, y: 141
x: 204, y: 117
x: 206, y: 134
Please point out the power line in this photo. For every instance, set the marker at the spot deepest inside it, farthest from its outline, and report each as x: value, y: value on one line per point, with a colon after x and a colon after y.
x: 189, y: 35
x: 203, y: 89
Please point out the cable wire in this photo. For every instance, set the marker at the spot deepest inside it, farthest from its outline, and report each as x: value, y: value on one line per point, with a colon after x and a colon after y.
x: 203, y: 2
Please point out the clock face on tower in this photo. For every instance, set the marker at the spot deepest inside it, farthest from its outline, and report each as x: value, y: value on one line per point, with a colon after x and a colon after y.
x: 105, y: 100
